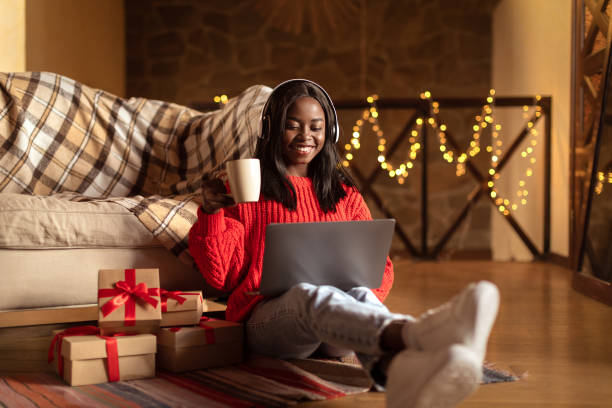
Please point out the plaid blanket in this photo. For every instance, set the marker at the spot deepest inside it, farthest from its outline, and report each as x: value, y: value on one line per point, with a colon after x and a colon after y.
x: 60, y: 136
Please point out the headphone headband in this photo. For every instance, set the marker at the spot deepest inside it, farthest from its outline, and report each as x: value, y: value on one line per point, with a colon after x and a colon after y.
x: 335, y: 132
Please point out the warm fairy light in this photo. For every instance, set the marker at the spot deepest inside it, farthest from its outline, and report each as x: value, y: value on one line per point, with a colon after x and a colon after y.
x: 372, y: 115
x: 483, y: 122
x: 221, y: 99
x: 602, y: 178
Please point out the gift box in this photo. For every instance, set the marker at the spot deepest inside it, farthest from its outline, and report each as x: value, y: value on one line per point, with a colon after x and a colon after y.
x: 213, y: 343
x: 128, y: 301
x: 181, y: 308
x: 83, y: 357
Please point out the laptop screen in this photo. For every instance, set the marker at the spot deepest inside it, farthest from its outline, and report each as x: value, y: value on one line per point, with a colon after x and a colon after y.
x: 344, y: 254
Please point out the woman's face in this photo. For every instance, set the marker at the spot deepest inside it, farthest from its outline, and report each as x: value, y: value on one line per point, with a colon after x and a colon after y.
x: 304, y: 135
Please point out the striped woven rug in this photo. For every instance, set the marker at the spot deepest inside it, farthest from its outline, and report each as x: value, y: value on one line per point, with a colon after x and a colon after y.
x: 258, y: 382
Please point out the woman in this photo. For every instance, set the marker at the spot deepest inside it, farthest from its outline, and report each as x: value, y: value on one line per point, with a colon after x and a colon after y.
x: 434, y: 359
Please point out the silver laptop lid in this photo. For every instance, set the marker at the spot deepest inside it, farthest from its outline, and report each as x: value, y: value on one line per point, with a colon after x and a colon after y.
x: 344, y: 254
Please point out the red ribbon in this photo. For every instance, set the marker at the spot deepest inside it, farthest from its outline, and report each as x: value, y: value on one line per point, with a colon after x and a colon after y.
x: 112, y: 354
x: 112, y: 358
x: 176, y: 295
x: 209, y: 331
x: 126, y: 292
x: 172, y: 294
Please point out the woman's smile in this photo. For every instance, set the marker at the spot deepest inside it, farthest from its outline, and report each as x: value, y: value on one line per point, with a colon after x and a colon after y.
x: 304, y: 135
x: 301, y: 148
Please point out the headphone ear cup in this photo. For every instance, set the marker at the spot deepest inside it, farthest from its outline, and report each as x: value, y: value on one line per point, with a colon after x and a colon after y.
x: 335, y: 131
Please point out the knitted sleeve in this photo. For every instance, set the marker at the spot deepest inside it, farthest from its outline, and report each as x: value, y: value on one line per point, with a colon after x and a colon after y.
x: 216, y: 243
x: 358, y: 210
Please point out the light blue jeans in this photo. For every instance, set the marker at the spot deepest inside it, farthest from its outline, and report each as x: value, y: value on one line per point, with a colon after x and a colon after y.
x: 296, y: 323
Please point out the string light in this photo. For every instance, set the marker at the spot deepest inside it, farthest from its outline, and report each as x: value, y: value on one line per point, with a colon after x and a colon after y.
x: 507, y: 205
x: 221, y: 99
x: 601, y: 179
x: 371, y: 116
x: 484, y: 120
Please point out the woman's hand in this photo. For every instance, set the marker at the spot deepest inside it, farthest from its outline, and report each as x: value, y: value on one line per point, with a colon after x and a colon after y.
x: 214, y: 194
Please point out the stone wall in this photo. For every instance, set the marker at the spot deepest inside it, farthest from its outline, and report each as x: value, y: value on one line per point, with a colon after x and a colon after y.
x: 188, y: 51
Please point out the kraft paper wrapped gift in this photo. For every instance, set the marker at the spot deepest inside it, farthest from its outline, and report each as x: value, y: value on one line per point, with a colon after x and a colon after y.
x: 214, y: 343
x: 128, y: 301
x: 86, y: 358
x: 181, y: 308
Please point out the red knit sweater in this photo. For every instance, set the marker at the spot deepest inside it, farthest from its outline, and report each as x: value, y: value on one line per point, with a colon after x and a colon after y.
x: 228, y: 246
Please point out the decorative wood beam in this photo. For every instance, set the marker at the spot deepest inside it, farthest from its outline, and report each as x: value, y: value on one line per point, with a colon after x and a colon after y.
x: 599, y: 18
x: 589, y: 88
x: 515, y: 144
x: 593, y: 63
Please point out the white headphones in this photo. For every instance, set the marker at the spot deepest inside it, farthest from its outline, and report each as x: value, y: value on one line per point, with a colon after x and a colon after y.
x: 335, y: 132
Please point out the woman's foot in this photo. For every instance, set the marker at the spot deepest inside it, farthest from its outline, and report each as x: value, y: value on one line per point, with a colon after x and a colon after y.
x: 440, y: 378
x: 466, y: 319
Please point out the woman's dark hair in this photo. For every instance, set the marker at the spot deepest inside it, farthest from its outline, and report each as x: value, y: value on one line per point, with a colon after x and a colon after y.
x: 325, y: 170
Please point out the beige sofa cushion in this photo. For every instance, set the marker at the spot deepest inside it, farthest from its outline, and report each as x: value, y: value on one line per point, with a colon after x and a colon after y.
x: 51, y: 249
x: 43, y: 222
x: 67, y: 277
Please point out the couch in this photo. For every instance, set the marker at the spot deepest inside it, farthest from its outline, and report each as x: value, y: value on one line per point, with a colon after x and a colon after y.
x: 92, y: 181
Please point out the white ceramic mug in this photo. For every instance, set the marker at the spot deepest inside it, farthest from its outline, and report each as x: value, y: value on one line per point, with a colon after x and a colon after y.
x: 244, y: 179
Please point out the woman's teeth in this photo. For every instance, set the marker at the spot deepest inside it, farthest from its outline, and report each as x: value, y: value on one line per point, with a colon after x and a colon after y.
x: 303, y: 149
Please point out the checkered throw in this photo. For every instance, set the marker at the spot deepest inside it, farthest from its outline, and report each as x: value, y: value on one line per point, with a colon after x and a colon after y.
x: 60, y: 136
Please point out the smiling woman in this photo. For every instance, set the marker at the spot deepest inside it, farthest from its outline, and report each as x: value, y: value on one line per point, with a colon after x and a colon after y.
x: 283, y: 119
x: 303, y: 182
x: 304, y: 135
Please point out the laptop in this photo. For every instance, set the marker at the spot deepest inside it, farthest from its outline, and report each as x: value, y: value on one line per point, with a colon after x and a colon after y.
x: 344, y: 254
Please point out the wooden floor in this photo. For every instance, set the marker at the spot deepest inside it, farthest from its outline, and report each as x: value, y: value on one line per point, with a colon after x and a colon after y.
x: 559, y: 339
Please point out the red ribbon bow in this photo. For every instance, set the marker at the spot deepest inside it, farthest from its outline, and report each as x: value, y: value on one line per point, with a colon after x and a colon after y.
x: 112, y: 353
x: 125, y: 292
x: 172, y: 294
